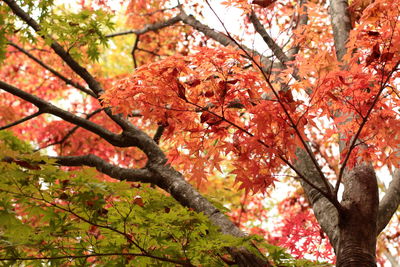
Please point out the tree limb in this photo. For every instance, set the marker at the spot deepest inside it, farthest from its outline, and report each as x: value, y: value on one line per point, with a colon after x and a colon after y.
x: 46, y: 107
x: 389, y: 203
x: 360, y: 128
x: 94, y: 85
x: 276, y: 49
x: 135, y: 46
x: 224, y: 40
x: 93, y: 255
x: 159, y: 133
x: 72, y: 131
x: 325, y: 212
x: 56, y: 73
x: 131, y: 175
x: 149, y: 27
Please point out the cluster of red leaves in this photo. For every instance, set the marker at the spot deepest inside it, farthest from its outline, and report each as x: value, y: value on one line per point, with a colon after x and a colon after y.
x: 23, y: 73
x: 46, y: 130
x: 212, y: 107
x: 215, y: 107
x: 164, y: 42
x: 299, y: 231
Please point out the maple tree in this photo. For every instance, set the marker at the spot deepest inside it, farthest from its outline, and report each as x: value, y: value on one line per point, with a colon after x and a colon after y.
x: 320, y: 108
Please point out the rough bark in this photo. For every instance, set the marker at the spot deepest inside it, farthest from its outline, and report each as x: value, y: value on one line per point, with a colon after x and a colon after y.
x: 357, y: 222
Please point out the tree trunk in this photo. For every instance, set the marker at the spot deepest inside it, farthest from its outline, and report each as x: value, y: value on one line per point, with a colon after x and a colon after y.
x: 357, y: 222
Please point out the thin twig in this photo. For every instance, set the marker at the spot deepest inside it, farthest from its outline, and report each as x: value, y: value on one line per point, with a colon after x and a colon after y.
x: 21, y: 120
x: 71, y: 131
x: 158, y: 134
x: 135, y: 45
x: 53, y: 71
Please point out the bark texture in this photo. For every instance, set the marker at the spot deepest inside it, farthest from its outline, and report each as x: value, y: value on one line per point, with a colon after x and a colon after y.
x: 357, y: 222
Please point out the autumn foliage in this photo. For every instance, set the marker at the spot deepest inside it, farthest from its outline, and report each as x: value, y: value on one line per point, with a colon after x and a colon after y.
x: 313, y: 103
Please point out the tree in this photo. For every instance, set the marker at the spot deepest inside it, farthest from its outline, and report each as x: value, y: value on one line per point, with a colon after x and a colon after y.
x: 322, y: 108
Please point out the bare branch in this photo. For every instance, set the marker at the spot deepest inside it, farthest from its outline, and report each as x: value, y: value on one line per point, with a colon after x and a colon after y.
x: 224, y: 39
x: 158, y: 134
x: 149, y: 27
x: 389, y: 203
x: 148, y: 51
x: 135, y: 45
x: 21, y: 120
x: 276, y: 49
x: 46, y: 107
x: 131, y: 175
x: 56, y: 73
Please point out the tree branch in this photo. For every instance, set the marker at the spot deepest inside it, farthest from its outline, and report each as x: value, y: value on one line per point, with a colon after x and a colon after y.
x: 56, y: 73
x: 46, y: 107
x: 135, y: 46
x: 389, y: 203
x: 364, y: 121
x: 325, y: 212
x: 328, y: 192
x: 130, y: 137
x: 149, y: 27
x: 94, y: 85
x: 130, y: 175
x: 34, y: 115
x: 159, y: 133
x: 93, y: 255
x: 225, y: 40
x: 276, y: 49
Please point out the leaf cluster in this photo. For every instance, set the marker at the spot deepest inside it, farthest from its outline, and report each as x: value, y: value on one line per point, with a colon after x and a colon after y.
x: 76, y: 31
x: 64, y: 216
x: 55, y: 217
